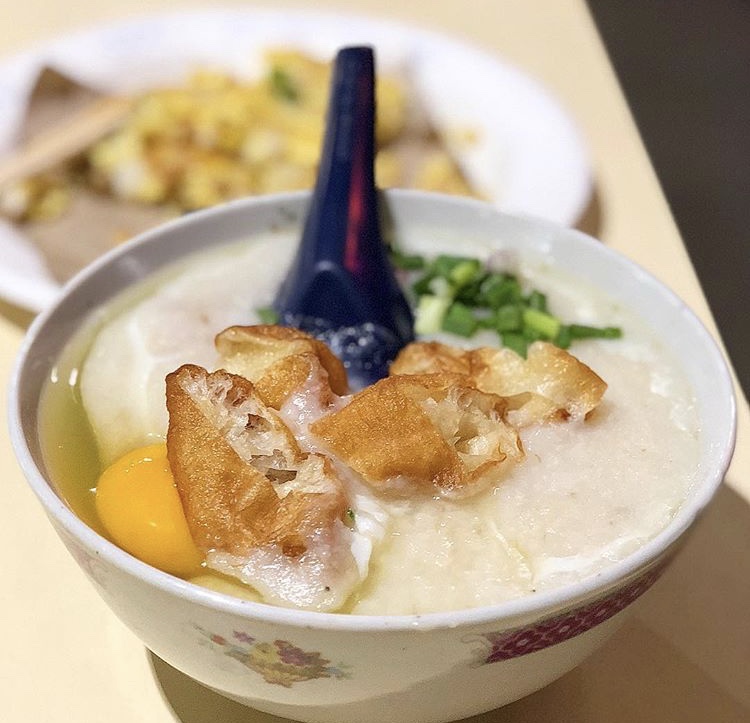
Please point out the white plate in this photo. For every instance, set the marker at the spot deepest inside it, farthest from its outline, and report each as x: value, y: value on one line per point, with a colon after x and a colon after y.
x: 529, y: 159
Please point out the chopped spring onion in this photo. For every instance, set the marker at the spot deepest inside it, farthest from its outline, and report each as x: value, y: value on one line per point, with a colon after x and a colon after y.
x: 498, y: 290
x: 430, y: 312
x: 267, y: 315
x: 464, y: 272
x: 537, y: 300
x: 541, y: 322
x: 459, y: 295
x: 460, y: 320
x: 407, y: 262
x: 508, y: 318
x: 579, y: 331
x: 564, y: 338
x: 516, y: 342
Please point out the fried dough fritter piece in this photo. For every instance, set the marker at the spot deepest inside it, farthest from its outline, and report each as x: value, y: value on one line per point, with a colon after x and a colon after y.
x: 549, y: 385
x: 431, y: 431
x: 431, y: 357
x: 279, y: 360
x: 242, y: 479
x: 571, y: 388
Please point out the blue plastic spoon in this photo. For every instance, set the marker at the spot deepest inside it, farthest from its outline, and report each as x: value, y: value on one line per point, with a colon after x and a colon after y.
x: 341, y: 287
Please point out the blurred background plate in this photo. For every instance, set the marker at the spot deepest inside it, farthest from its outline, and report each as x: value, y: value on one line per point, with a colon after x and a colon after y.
x: 529, y: 157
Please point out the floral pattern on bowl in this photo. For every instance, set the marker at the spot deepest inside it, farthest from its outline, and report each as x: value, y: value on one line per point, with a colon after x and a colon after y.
x: 279, y: 662
x: 507, y: 644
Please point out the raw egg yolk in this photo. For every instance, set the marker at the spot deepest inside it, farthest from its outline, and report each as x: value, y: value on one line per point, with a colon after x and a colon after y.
x: 139, y: 506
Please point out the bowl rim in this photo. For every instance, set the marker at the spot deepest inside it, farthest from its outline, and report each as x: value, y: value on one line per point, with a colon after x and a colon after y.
x: 537, y: 606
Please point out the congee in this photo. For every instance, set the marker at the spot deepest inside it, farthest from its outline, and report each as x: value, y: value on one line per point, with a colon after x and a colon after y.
x: 231, y: 453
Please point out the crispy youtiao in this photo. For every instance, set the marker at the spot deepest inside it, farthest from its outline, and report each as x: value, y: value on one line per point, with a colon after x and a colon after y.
x: 242, y: 478
x: 550, y: 384
x: 422, y: 431
x: 572, y: 388
x: 279, y: 360
x: 431, y: 357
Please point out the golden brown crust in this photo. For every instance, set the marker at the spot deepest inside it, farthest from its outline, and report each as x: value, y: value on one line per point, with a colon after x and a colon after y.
x: 240, y: 474
x: 446, y: 421
x: 421, y: 431
x: 549, y: 385
x: 279, y: 360
x: 571, y: 388
x: 431, y: 357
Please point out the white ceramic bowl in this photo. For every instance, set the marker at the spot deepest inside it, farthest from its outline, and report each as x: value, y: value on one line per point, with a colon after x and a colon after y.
x: 332, y: 667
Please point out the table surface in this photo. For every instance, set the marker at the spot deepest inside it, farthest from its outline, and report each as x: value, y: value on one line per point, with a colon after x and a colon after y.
x: 683, y: 654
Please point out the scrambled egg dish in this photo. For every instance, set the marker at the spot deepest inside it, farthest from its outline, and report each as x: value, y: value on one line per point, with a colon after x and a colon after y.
x: 218, y: 138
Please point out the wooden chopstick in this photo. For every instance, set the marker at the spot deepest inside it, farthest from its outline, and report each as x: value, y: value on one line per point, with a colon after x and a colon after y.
x: 65, y: 140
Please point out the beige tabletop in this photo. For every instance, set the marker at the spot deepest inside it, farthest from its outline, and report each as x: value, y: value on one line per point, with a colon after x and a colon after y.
x: 682, y: 656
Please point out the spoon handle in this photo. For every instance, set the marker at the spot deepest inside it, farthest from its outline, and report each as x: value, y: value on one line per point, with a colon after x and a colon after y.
x: 341, y: 273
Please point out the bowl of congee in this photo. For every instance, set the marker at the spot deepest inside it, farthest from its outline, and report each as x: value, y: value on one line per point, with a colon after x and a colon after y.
x: 434, y: 545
